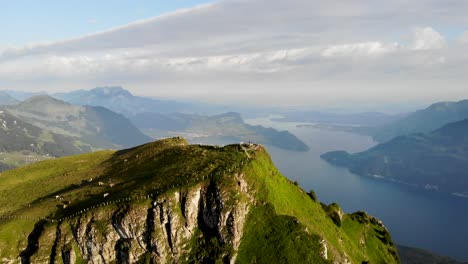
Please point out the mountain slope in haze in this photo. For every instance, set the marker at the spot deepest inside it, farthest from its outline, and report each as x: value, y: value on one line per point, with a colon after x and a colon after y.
x: 96, y: 126
x: 6, y: 99
x: 23, y: 95
x: 169, y: 202
x: 409, y: 255
x: 165, y: 118
x: 121, y: 101
x: 435, y: 161
x: 228, y: 126
x: 23, y: 143
x: 424, y: 121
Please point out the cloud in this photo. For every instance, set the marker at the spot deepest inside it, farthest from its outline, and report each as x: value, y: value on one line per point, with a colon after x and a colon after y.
x: 426, y: 39
x: 309, y: 52
x: 463, y: 38
x: 366, y: 49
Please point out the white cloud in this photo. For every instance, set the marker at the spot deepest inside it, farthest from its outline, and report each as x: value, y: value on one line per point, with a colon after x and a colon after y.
x: 426, y: 39
x: 366, y: 49
x: 309, y: 52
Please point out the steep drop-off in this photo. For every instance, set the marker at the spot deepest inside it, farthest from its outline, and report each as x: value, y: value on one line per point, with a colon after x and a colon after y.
x: 170, y: 202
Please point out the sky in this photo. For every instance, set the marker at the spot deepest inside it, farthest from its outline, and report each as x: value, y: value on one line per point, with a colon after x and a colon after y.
x: 28, y: 21
x: 360, y: 54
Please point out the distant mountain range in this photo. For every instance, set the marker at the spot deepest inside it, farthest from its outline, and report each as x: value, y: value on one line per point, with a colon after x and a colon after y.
x: 228, y: 126
x: 424, y: 121
x: 161, y: 118
x: 22, y: 143
x: 96, y: 126
x: 18, y: 135
x: 122, y: 101
x: 409, y: 255
x: 22, y: 95
x: 6, y: 99
x: 43, y: 127
x: 435, y: 161
x: 383, y: 127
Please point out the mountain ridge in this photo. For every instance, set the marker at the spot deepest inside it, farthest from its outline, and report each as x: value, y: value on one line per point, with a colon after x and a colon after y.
x: 42, y: 127
x: 23, y: 143
x: 6, y: 99
x: 228, y: 127
x: 174, y: 202
x: 434, y: 161
x: 424, y: 121
x: 122, y: 101
x: 98, y: 126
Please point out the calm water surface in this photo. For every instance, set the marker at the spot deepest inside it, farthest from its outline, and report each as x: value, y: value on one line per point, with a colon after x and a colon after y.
x: 428, y: 220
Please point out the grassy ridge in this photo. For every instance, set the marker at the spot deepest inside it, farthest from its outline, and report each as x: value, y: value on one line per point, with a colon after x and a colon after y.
x: 155, y: 167
x: 285, y: 225
x: 288, y: 199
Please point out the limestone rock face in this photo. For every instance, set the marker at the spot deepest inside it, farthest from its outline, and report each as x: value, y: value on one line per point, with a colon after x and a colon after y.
x: 165, y: 229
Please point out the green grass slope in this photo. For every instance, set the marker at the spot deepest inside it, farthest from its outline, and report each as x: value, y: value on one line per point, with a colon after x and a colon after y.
x: 358, y: 237
x: 284, y: 225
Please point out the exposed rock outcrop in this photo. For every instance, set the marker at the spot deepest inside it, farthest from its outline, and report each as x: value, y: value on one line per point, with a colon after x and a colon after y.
x: 165, y: 229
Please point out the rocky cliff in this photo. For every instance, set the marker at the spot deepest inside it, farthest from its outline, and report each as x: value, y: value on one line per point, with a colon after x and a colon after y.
x: 169, y: 202
x: 163, y: 229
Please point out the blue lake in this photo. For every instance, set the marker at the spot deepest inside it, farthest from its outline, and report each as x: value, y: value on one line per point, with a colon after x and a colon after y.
x: 429, y: 220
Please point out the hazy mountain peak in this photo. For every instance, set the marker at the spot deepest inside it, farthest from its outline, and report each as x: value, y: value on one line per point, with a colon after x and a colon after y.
x: 121, y: 101
x: 40, y: 101
x: 96, y: 126
x: 457, y: 130
x: 444, y: 106
x: 111, y: 91
x: 43, y: 98
x: 6, y: 99
x: 432, y: 161
x: 425, y: 120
